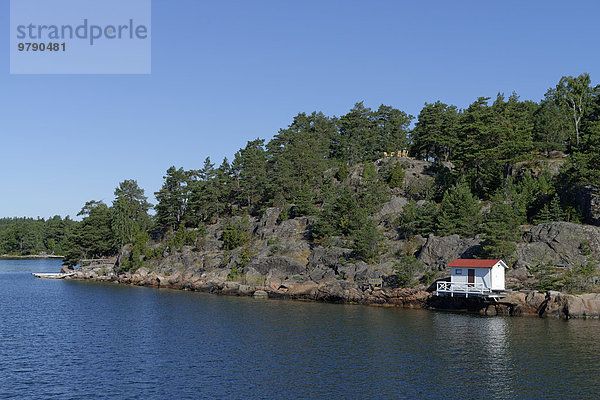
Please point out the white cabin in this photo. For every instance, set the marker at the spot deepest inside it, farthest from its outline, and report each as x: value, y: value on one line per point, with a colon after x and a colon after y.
x: 475, y: 277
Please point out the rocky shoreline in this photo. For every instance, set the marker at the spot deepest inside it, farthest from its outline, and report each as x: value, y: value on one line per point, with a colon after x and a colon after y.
x: 517, y: 303
x: 282, y: 261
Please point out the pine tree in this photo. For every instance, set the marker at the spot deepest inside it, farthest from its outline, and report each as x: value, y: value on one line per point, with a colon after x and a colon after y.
x: 342, y: 172
x: 250, y: 170
x: 435, y: 133
x: 173, y: 197
x: 501, y: 227
x: 459, y: 212
x: 396, y: 176
x: 417, y: 219
x: 130, y: 211
x: 555, y: 209
x: 367, y: 239
x: 544, y: 215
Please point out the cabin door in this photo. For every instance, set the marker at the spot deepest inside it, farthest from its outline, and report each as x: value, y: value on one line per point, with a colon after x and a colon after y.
x: 471, y: 276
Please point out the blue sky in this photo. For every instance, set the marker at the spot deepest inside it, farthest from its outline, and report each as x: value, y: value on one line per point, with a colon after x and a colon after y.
x: 227, y: 72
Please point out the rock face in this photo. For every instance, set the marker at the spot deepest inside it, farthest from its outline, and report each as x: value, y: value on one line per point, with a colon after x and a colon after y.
x: 285, y: 266
x: 392, y: 208
x: 67, y: 269
x: 439, y: 251
x: 588, y: 203
x: 555, y: 304
x: 559, y: 243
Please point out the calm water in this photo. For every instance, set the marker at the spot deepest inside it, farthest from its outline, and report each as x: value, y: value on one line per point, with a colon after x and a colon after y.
x: 74, y: 340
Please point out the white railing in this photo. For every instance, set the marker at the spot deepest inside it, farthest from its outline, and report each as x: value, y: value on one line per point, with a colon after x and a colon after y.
x: 462, y: 288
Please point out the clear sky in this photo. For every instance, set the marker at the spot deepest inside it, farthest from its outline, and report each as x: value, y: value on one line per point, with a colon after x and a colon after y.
x: 225, y: 72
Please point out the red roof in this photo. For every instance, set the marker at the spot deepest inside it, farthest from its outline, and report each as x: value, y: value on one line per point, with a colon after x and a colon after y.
x: 470, y: 263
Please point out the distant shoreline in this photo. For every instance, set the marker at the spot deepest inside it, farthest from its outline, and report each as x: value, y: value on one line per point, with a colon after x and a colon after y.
x: 30, y: 257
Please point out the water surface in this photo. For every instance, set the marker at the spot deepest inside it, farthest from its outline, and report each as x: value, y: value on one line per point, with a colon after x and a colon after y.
x: 76, y: 340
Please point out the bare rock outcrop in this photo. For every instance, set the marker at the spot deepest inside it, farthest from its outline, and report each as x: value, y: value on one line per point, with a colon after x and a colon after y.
x: 588, y: 203
x: 439, y: 251
x: 559, y: 243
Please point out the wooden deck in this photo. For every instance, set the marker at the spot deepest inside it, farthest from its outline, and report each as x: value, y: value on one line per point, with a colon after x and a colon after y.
x: 466, y: 289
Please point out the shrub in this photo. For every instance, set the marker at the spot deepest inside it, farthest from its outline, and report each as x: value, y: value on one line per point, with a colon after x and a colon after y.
x: 236, y: 234
x: 405, y: 268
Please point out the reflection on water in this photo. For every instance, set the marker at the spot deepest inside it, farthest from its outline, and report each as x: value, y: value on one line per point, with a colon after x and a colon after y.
x: 66, y: 340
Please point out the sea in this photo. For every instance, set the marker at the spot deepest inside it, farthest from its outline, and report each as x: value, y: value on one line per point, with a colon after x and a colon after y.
x: 83, y: 340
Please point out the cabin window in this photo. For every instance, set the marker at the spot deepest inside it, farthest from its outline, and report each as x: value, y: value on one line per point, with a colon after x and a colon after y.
x: 458, y: 271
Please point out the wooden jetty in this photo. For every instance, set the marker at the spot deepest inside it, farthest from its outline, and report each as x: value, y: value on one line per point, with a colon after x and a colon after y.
x: 51, y: 275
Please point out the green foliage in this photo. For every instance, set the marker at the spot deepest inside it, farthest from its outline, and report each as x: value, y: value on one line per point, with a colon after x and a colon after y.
x: 550, y: 212
x: 551, y: 127
x: 250, y: 173
x: 364, y: 134
x: 130, y: 211
x: 26, y: 236
x: 367, y: 241
x: 140, y: 252
x: 459, y: 212
x: 492, y: 139
x: 298, y: 157
x: 501, y: 227
x: 436, y: 132
x: 583, y: 166
x: 371, y: 192
x: 395, y: 178
x: 173, y: 198
x: 93, y: 237
x: 575, y: 96
x: 488, y: 147
x: 285, y: 214
x: 406, y: 268
x: 417, y: 219
x: 181, y: 237
x: 205, y: 200
x: 342, y: 172
x: 237, y: 269
x: 369, y: 172
x: 341, y: 216
x: 236, y: 234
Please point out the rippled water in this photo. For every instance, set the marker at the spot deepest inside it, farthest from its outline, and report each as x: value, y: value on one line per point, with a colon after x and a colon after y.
x: 76, y: 340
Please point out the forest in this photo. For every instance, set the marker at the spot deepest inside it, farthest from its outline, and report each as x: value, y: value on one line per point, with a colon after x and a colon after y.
x: 496, y: 165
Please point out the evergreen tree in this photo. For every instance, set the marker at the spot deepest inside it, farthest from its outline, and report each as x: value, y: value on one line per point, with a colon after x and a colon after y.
x: 556, y: 209
x: 173, y: 198
x: 298, y: 157
x: 583, y: 165
x: 364, y: 134
x: 342, y: 214
x: 501, y: 227
x: 224, y: 183
x: 417, y: 219
x: 551, y: 127
x: 205, y: 204
x: 367, y: 239
x: 459, y: 212
x: 250, y: 172
x: 342, y: 172
x: 544, y: 215
x: 371, y: 192
x: 436, y: 132
x: 492, y: 139
x: 94, y: 237
x: 396, y: 176
x: 130, y: 211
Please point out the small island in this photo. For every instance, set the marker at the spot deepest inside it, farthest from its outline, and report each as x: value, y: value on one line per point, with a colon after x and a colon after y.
x: 364, y: 209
